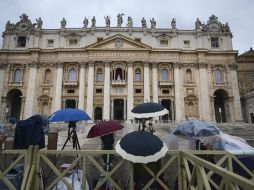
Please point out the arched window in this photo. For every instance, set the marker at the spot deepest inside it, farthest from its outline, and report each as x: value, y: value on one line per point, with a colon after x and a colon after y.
x: 72, y: 75
x: 164, y: 75
x: 17, y: 75
x: 218, y: 76
x: 137, y: 75
x: 119, y: 74
x: 47, y: 76
x: 188, y: 75
x: 99, y: 75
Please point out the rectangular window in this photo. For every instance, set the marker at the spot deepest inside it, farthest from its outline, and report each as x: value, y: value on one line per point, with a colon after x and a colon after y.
x: 163, y: 42
x: 70, y: 91
x: 99, y: 39
x: 165, y: 91
x: 73, y: 42
x: 137, y: 39
x: 98, y: 90
x: 215, y: 43
x: 138, y: 91
x: 50, y: 42
x: 241, y: 84
x: 186, y: 43
x: 21, y: 41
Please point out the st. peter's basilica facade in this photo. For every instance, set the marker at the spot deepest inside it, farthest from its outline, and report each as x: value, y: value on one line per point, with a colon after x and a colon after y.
x: 106, y: 70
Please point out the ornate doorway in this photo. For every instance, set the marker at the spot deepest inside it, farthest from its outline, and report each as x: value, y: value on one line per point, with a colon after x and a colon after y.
x: 118, y: 109
x: 97, y: 113
x: 221, y: 106
x: 166, y: 103
x: 13, y: 108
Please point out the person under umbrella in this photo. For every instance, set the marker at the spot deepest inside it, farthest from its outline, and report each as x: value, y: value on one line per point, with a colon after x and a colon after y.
x: 71, y: 116
x: 105, y: 130
x: 145, y: 111
x: 141, y: 147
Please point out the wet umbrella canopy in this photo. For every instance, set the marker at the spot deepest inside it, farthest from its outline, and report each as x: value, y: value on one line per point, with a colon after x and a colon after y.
x: 141, y: 147
x: 196, y: 128
x: 148, y: 110
x: 68, y: 115
x: 104, y: 128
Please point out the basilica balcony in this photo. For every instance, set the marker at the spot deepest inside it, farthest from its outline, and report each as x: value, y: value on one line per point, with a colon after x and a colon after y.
x: 15, y: 83
x: 220, y: 84
x: 46, y: 83
x: 71, y: 83
x: 165, y: 83
x: 118, y: 82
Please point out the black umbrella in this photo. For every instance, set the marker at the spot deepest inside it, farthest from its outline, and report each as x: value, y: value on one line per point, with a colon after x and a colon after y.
x: 141, y: 147
x: 148, y: 110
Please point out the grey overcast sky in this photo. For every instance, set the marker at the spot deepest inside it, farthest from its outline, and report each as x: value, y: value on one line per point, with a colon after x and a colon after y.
x: 238, y: 13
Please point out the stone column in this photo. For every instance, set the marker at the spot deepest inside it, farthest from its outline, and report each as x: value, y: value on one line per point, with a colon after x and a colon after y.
x: 130, y: 90
x: 106, y: 104
x: 89, y: 104
x: 31, y: 91
x: 81, y: 100
x: 58, y: 89
x: 204, y: 101
x: 146, y: 82
x: 235, y: 89
x: 178, y: 94
x: 155, y: 82
x: 3, y: 71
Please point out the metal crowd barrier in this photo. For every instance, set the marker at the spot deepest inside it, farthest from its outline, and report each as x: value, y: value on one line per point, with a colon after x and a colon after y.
x: 53, y: 169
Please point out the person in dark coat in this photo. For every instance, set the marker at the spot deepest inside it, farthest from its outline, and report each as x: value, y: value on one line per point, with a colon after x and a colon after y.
x: 107, y: 144
x: 29, y: 132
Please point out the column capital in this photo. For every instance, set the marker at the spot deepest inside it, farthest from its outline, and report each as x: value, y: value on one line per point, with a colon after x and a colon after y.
x: 155, y: 64
x: 202, y: 65
x: 177, y: 65
x: 91, y: 63
x: 233, y: 66
x: 130, y: 63
x: 107, y: 63
x: 32, y: 64
x: 146, y: 63
x: 59, y: 64
x: 82, y: 63
x: 3, y: 65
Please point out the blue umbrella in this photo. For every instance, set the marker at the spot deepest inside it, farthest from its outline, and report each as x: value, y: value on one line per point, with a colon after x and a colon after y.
x: 69, y: 115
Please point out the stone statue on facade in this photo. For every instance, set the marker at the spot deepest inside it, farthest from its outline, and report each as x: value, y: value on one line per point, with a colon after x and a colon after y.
x: 153, y: 23
x: 143, y: 22
x: 107, y: 21
x: 39, y: 23
x: 129, y: 22
x: 173, y: 23
x: 119, y: 20
x: 85, y: 22
x: 93, y: 22
x: 63, y: 23
x: 226, y: 28
x: 9, y: 26
x: 197, y: 24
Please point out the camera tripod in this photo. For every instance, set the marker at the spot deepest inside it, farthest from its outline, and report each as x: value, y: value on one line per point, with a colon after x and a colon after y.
x: 72, y: 134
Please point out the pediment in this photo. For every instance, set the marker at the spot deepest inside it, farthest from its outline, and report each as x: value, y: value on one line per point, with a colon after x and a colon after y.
x: 118, y: 42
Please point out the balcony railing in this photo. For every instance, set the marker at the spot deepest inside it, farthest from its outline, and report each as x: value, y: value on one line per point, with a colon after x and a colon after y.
x: 70, y: 83
x: 177, y: 170
x: 118, y: 82
x: 47, y: 83
x: 166, y: 83
x: 15, y: 83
